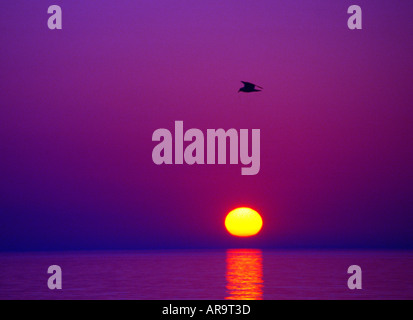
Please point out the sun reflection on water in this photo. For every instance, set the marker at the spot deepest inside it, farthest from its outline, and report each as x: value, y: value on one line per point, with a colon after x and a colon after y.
x: 244, y: 274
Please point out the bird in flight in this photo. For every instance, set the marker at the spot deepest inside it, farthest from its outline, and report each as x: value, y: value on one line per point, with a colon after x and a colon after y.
x: 249, y: 87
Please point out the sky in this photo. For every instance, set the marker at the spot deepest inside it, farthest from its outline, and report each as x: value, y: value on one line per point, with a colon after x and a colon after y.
x: 79, y: 107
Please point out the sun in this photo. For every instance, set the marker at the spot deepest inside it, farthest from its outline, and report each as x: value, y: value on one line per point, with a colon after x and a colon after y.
x: 243, y: 222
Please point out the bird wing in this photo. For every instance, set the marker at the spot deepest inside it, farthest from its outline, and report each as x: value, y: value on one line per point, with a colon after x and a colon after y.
x: 250, y: 85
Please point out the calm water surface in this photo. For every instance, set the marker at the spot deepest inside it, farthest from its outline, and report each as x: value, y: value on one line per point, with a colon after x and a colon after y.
x: 231, y: 274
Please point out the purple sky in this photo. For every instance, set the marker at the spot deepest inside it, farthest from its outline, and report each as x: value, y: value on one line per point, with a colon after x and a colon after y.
x: 79, y: 106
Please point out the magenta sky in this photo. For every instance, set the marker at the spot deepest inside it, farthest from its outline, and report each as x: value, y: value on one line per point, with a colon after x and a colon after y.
x: 79, y: 106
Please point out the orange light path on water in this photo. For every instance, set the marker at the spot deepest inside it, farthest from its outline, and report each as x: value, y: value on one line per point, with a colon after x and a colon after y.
x: 244, y: 274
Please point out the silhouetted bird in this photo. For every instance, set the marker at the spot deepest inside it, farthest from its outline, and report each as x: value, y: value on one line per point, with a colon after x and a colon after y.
x: 249, y: 87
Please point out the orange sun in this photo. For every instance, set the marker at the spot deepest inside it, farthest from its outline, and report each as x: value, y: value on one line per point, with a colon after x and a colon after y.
x: 243, y: 222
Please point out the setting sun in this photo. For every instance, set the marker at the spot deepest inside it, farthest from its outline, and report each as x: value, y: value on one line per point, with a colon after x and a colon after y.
x: 243, y: 222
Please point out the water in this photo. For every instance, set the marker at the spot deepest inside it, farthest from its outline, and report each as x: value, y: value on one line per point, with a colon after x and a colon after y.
x: 231, y: 274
